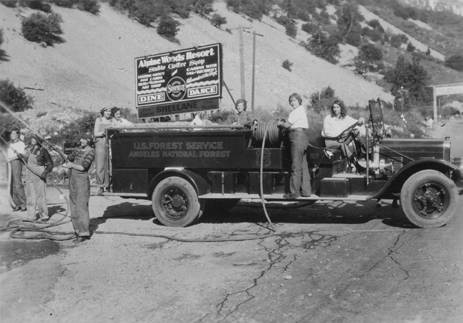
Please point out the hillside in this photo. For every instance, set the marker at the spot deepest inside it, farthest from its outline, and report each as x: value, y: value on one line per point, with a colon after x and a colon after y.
x: 94, y: 66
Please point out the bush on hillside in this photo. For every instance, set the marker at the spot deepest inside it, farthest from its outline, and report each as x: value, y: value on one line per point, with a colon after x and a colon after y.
x: 368, y: 59
x: 9, y: 3
x: 202, y: 7
x: 65, y: 3
x: 71, y: 131
x: 39, y: 5
x: 354, y: 38
x: 349, y: 22
x: 376, y: 25
x: 405, y: 12
x: 14, y: 96
x: 323, y: 99
x: 144, y: 11
x: 42, y: 28
x: 252, y: 8
x: 287, y: 65
x: 398, y: 39
x: 374, y: 34
x: 289, y: 24
x: 455, y: 62
x: 410, y: 48
x: 168, y: 27
x: 324, y: 46
x: 91, y: 6
x: 217, y: 20
x: 310, y: 28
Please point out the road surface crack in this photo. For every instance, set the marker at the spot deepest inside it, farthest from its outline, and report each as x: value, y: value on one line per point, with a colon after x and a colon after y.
x: 276, y: 255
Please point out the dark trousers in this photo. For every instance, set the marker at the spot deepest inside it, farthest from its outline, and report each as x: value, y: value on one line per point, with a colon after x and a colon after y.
x: 17, y: 187
x: 79, y: 195
x: 299, y: 182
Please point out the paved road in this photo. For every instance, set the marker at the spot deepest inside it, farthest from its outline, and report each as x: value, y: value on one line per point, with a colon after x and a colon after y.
x: 326, y: 262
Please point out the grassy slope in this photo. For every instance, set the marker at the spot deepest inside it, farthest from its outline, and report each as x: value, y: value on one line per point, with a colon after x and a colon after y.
x: 94, y: 67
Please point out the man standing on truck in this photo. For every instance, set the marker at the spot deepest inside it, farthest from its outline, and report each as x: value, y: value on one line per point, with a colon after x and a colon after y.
x: 298, y: 126
x: 79, y: 187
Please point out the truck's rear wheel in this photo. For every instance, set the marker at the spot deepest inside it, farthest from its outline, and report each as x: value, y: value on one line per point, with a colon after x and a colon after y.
x: 175, y: 202
x: 429, y: 199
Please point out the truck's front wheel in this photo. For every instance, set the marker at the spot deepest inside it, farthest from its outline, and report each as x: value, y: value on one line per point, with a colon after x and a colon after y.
x: 175, y: 202
x: 429, y: 199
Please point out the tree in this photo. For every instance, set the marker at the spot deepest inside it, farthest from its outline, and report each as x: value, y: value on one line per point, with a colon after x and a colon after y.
x: 39, y: 27
x: 455, y: 62
x: 168, y: 27
x: 202, y: 7
x: 147, y: 11
x: 14, y: 97
x: 368, y: 59
x: 324, y: 46
x: 349, y: 22
x: 398, y: 39
x: 217, y: 20
x: 411, y: 76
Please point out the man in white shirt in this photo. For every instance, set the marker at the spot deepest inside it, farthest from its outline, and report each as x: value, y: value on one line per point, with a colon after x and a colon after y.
x: 298, y: 126
x: 17, y: 188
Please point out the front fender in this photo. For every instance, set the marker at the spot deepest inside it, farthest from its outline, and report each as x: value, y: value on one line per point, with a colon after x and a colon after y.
x: 394, y: 184
x: 198, y: 181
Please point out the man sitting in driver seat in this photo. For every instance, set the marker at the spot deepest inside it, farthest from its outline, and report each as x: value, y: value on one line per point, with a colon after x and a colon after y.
x: 334, y: 129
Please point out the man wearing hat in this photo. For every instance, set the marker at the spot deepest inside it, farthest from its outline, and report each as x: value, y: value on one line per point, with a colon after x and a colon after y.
x: 79, y: 187
x: 102, y: 122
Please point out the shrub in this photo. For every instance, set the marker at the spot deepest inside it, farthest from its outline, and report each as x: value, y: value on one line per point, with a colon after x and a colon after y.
x: 39, y: 5
x: 287, y: 65
x: 15, y: 97
x: 398, y: 39
x: 252, y: 8
x: 202, y: 7
x: 410, y: 47
x: 217, y: 20
x: 168, y: 27
x: 323, y: 99
x: 146, y: 11
x: 376, y: 25
x: 91, y: 6
x: 290, y: 25
x: 310, y: 28
x: 39, y: 28
x: 9, y: 3
x: 354, y: 38
x: 455, y: 62
x: 65, y: 3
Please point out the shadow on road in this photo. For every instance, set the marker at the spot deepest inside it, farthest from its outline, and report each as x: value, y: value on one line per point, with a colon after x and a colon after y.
x: 318, y: 213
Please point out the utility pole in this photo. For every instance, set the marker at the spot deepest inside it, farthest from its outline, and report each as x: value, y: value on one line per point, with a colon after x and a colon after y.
x: 243, y: 91
x: 254, y: 34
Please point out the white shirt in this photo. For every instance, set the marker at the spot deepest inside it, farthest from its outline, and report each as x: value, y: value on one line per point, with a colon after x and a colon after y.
x: 333, y: 126
x: 121, y: 122
x: 298, y: 118
x: 19, y: 146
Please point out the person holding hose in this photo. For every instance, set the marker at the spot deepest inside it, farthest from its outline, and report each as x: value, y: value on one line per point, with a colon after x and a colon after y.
x: 79, y: 162
x: 38, y: 164
x: 298, y: 126
x: 15, y: 147
x: 102, y: 122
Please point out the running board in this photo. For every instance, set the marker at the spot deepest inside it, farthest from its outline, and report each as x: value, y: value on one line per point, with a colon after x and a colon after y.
x: 280, y: 197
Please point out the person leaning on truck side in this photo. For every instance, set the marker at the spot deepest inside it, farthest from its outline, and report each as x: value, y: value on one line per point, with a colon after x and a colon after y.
x: 38, y: 165
x: 16, y: 146
x: 298, y: 125
x: 79, y: 162
x: 102, y: 122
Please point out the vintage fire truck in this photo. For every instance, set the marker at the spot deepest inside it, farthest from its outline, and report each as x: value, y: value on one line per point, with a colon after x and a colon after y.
x: 186, y: 169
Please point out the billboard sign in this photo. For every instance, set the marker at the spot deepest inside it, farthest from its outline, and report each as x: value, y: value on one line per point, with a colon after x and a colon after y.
x: 181, y: 78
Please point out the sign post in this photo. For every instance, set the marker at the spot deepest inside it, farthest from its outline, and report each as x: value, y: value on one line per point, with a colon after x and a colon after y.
x: 180, y: 81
